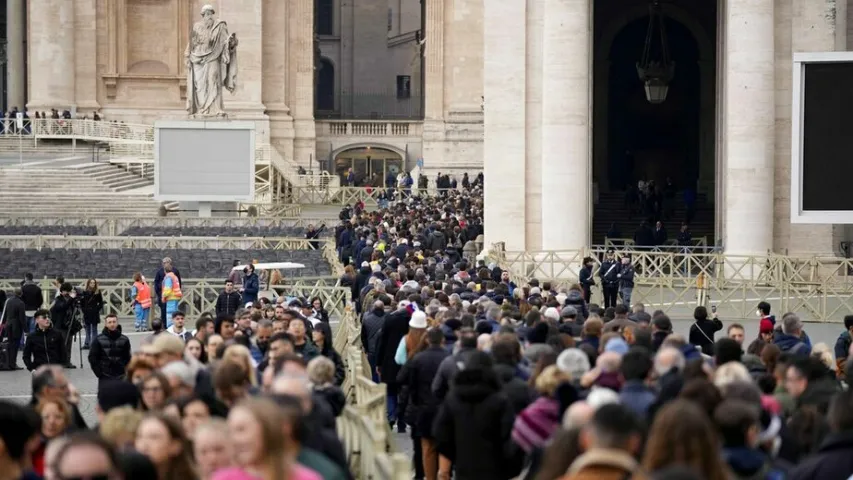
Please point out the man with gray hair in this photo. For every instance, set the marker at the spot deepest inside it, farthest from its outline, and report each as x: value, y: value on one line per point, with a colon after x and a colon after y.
x: 668, y: 359
x: 791, y: 338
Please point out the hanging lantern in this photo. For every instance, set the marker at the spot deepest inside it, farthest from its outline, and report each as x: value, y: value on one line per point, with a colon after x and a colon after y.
x: 656, y: 71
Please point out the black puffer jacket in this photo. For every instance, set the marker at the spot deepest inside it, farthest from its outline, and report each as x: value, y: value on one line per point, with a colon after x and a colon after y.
x: 416, y: 380
x: 44, y: 347
x: 110, y: 354
x: 474, y: 424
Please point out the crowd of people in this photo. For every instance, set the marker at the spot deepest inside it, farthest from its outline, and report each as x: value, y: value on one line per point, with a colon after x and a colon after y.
x: 249, y: 393
x: 497, y: 380
x: 489, y: 378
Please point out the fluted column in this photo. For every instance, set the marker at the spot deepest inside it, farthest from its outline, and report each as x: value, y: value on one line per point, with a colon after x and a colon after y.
x: 16, y: 76
x: 504, y: 80
x: 566, y: 125
x: 749, y: 126
x: 434, y: 61
x: 52, y: 48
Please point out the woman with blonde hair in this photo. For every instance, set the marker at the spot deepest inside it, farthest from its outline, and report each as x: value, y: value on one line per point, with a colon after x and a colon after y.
x: 241, y: 355
x: 682, y: 434
x: 260, y: 445
x: 536, y: 423
x: 119, y: 427
x: 211, y: 447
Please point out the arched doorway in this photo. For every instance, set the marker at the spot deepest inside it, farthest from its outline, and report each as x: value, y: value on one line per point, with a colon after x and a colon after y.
x: 637, y: 140
x: 326, y: 86
x: 372, y: 166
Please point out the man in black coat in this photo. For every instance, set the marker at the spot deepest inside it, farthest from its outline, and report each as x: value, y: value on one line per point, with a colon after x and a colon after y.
x: 62, y: 315
x: 110, y: 352
x: 14, y: 326
x: 834, y: 458
x: 415, y: 378
x: 229, y: 300
x: 45, y: 345
x: 33, y: 299
x: 394, y: 328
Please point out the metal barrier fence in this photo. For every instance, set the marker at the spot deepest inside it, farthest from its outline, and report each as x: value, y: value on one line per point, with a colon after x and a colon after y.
x: 114, y: 226
x: 816, y: 288
x: 332, y: 195
x: 199, y: 295
x: 38, y: 242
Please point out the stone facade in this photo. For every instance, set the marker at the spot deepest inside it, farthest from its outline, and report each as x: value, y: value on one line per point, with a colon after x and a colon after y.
x: 515, y: 72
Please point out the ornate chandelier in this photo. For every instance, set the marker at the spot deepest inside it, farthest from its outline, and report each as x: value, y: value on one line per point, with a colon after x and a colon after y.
x: 656, y: 73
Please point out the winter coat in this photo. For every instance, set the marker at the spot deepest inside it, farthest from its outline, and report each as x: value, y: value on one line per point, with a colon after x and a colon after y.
x: 575, y: 299
x: 819, y: 392
x: 604, y: 464
x: 32, y: 296
x: 110, y: 354
x: 702, y: 334
x: 371, y: 327
x: 334, y: 397
x: 416, y: 378
x: 834, y: 459
x: 626, y: 276
x: 91, y: 304
x: 518, y: 392
x: 307, y: 350
x: 791, y: 344
x: 44, y: 347
x: 328, y: 351
x: 447, y: 371
x: 251, y: 287
x: 473, y: 429
x: 394, y: 328
x: 750, y: 464
x: 637, y: 397
x: 228, y: 303
x: 15, y: 318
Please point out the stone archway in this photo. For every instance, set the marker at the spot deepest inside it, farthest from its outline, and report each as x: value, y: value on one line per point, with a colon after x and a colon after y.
x: 370, y: 162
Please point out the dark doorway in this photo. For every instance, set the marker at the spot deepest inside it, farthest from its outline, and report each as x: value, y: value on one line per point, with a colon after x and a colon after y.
x: 646, y: 141
x: 326, y: 86
x: 636, y: 140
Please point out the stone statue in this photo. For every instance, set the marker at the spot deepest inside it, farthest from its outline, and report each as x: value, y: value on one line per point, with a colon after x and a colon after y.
x: 211, y: 57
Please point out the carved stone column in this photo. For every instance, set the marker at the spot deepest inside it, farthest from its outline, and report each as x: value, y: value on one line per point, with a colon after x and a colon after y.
x: 51, y: 72
x: 16, y: 76
x: 301, y: 84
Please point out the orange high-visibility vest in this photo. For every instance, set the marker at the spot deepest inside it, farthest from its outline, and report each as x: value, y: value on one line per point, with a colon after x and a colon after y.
x: 175, y: 293
x: 143, y: 294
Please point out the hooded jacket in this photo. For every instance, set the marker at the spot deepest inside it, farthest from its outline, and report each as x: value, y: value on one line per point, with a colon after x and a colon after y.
x: 791, y: 344
x: 328, y: 351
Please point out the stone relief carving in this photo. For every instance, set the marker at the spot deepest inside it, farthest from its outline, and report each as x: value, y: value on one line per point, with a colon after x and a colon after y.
x: 211, y: 57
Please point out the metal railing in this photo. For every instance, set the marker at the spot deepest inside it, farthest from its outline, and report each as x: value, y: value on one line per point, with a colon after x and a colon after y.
x: 199, y: 295
x: 363, y: 425
x: 345, y: 195
x: 88, y: 242
x: 816, y: 288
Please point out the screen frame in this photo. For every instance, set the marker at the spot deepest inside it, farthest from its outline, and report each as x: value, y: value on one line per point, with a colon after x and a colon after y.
x: 798, y: 214
x: 205, y: 125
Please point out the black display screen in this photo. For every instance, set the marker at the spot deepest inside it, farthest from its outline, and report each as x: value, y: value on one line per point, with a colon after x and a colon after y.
x: 827, y: 123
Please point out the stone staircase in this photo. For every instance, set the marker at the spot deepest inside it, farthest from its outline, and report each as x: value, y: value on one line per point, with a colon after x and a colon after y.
x: 611, y: 209
x: 74, y: 190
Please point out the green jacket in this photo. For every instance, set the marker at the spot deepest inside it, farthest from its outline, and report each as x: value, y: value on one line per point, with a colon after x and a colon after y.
x: 319, y: 463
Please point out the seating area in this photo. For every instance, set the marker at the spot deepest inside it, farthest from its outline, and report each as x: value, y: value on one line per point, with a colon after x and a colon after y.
x: 220, y: 231
x: 121, y: 264
x: 33, y: 230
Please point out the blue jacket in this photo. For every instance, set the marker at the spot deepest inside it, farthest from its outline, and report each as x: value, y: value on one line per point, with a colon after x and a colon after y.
x: 251, y: 287
x: 158, y: 282
x: 791, y: 344
x: 637, y: 397
x: 842, y: 345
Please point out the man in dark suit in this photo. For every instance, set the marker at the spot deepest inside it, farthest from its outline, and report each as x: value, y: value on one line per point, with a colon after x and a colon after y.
x: 394, y: 328
x: 14, y: 326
